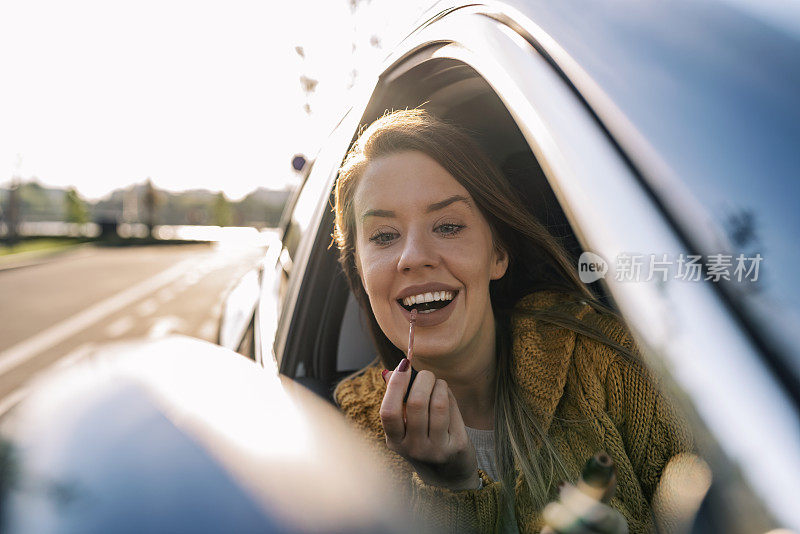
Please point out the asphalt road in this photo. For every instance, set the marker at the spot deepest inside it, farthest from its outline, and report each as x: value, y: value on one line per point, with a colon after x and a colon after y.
x: 60, y: 310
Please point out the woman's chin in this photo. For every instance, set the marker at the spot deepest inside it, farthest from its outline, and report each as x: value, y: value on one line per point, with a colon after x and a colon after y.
x: 431, y: 354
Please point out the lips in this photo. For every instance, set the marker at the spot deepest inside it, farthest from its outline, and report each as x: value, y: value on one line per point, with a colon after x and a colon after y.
x: 418, y: 291
x: 430, y: 301
x: 430, y: 313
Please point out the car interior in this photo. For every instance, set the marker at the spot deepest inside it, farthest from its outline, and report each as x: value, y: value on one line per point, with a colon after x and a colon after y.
x: 454, y: 91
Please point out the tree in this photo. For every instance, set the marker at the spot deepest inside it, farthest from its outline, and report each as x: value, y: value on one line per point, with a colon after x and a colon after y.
x: 222, y: 210
x: 77, y: 212
x: 150, y: 201
x: 11, y: 214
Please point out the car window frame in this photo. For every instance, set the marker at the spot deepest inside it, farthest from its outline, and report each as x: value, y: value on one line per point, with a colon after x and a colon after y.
x: 321, y: 179
x: 574, y: 148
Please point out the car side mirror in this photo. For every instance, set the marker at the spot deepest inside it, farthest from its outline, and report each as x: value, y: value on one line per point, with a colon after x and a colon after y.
x: 183, y: 435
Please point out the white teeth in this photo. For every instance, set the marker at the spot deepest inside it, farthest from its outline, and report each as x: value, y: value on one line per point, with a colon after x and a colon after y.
x: 428, y: 297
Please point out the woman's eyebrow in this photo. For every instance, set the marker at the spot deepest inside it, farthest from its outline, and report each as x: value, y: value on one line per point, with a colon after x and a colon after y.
x: 431, y: 208
x: 446, y: 202
x: 377, y: 213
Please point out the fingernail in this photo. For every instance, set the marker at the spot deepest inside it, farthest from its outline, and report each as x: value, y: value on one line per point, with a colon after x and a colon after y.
x: 384, y: 373
x: 598, y: 470
x: 403, y: 367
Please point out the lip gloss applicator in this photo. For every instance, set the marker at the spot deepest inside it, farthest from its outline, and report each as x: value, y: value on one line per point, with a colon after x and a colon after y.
x: 411, y: 324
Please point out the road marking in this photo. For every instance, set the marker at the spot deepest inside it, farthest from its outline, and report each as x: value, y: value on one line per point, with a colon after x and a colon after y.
x: 73, y: 357
x: 168, y: 293
x: 25, y: 350
x: 164, y: 326
x: 120, y: 326
x: 193, y: 277
x: 148, y: 307
x: 13, y: 398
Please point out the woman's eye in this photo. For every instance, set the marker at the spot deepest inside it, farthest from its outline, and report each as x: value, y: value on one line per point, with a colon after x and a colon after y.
x: 383, y: 238
x: 449, y: 229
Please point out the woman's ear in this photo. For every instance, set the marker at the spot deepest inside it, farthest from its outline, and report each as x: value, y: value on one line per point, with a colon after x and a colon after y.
x: 499, y: 263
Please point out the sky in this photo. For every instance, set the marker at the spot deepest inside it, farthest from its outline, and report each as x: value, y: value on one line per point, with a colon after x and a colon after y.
x: 100, y: 95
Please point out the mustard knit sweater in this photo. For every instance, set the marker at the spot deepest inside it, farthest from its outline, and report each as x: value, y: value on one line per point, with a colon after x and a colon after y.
x: 590, y: 399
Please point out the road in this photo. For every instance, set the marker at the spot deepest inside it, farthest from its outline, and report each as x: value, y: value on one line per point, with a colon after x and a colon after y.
x: 60, y: 310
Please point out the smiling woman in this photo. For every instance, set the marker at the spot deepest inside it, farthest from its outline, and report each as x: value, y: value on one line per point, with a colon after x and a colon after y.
x: 523, y: 375
x: 432, y: 241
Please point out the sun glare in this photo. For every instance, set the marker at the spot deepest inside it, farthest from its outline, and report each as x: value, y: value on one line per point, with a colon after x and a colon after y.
x: 194, y: 95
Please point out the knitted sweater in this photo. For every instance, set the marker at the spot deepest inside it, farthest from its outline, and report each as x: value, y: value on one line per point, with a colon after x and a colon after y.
x: 589, y: 399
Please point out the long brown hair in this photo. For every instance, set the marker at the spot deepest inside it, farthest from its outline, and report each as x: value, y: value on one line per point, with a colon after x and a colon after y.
x: 537, y: 261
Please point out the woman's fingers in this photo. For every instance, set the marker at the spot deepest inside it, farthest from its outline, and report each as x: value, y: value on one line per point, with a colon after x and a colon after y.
x: 425, y: 436
x: 439, y: 413
x: 417, y: 406
x: 558, y: 517
x: 576, y: 512
x: 392, y: 406
x: 596, y: 516
x: 562, y: 520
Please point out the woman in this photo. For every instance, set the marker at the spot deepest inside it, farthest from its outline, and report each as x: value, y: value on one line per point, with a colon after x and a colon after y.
x: 523, y: 375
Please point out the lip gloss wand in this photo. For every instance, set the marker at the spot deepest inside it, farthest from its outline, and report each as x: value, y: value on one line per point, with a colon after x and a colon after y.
x: 411, y: 324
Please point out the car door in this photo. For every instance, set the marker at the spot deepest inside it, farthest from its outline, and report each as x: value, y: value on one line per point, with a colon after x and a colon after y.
x: 743, y: 415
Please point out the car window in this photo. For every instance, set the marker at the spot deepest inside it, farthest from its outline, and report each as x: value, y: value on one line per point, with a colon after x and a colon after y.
x: 734, y: 477
x: 306, y: 206
x: 706, y: 331
x: 306, y: 235
x: 355, y: 348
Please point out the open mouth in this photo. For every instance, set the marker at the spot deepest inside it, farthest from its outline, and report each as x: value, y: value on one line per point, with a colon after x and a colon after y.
x: 428, y: 302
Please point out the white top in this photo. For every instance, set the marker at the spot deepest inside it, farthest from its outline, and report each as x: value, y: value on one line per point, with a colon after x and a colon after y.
x: 483, y: 442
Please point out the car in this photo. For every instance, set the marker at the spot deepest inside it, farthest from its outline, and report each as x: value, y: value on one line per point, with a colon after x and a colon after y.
x: 665, y: 130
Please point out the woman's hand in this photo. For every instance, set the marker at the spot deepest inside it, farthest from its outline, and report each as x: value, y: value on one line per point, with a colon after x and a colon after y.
x: 576, y: 512
x: 428, y: 430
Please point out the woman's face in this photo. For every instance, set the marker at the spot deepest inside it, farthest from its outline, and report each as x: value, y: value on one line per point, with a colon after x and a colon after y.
x: 420, y: 236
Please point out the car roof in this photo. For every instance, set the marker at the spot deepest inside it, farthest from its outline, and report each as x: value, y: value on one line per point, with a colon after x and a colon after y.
x: 703, y: 98
x: 722, y: 67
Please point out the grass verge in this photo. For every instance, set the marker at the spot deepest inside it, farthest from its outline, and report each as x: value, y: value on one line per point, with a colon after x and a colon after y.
x: 40, y: 245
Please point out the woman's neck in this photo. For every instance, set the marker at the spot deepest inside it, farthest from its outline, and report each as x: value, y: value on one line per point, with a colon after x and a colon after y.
x: 475, y: 397
x: 471, y: 377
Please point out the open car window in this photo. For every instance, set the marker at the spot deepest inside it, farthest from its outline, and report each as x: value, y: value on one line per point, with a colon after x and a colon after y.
x: 582, y: 200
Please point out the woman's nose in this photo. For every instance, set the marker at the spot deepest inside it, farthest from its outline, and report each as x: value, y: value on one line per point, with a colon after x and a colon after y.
x: 417, y: 252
